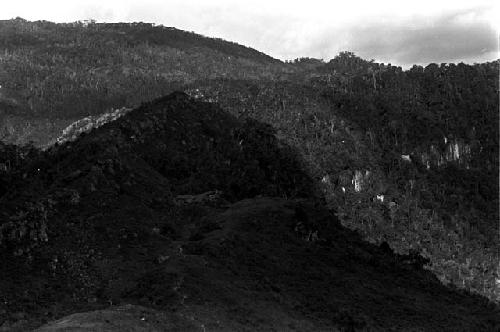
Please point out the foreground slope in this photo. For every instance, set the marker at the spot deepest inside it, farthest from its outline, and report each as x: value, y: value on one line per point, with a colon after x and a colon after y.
x: 212, y: 224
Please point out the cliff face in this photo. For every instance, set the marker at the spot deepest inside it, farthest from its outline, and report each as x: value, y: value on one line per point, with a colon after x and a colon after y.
x: 209, y: 220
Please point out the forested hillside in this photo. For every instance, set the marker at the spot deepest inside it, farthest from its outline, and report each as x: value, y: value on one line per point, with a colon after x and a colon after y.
x: 69, y: 71
x: 203, y: 222
x: 409, y: 157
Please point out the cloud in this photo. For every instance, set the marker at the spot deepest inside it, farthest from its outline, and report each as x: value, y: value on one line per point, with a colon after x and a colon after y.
x: 395, y: 31
x: 446, y: 35
x: 456, y: 37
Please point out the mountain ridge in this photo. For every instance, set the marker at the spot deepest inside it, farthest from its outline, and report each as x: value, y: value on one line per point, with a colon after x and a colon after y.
x: 105, y: 224
x: 69, y: 71
x: 422, y: 140
x: 407, y: 158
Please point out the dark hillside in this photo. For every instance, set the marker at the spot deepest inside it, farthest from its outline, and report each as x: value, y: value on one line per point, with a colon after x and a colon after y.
x: 394, y: 164
x: 408, y: 157
x: 212, y: 222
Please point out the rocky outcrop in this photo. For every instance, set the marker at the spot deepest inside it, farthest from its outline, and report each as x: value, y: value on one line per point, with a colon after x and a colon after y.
x: 88, y: 123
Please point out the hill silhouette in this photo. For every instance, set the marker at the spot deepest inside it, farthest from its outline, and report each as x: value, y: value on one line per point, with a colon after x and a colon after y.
x: 201, y: 221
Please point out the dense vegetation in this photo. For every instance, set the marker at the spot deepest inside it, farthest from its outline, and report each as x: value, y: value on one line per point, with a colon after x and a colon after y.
x: 12, y: 159
x: 68, y: 71
x: 445, y: 118
x: 409, y: 157
x: 181, y: 207
x: 405, y: 156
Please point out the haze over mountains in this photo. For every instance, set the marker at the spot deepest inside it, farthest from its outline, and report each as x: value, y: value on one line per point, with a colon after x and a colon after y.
x: 181, y: 190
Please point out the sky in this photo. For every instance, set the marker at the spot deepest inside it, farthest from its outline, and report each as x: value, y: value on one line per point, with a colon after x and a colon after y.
x: 398, y: 32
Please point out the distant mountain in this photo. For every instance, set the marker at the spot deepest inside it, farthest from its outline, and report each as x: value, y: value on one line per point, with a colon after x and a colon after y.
x: 209, y: 221
x: 76, y: 69
x: 69, y: 71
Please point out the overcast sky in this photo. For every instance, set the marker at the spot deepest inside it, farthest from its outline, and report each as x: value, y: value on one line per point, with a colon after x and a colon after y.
x: 400, y: 32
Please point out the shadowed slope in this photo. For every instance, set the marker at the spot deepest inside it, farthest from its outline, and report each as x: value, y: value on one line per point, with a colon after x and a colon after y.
x: 120, y: 216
